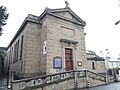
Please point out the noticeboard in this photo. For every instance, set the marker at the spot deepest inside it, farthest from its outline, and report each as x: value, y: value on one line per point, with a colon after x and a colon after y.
x: 57, y: 62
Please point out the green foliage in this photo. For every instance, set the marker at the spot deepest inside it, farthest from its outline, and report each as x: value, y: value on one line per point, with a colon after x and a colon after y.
x: 3, y: 17
x: 2, y: 54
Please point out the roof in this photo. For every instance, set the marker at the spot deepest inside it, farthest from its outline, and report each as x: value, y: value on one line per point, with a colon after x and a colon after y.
x: 115, y: 61
x: 91, y: 55
x: 37, y: 19
x: 29, y: 18
x: 96, y: 58
x: 52, y: 12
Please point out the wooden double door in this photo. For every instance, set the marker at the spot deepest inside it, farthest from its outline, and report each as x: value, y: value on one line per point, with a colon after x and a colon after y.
x: 68, y: 59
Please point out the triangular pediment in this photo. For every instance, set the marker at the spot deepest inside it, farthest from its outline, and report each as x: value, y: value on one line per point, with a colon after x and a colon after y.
x: 66, y: 14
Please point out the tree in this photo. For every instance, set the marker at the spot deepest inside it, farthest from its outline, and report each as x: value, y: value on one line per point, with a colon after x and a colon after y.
x: 2, y: 54
x: 3, y: 17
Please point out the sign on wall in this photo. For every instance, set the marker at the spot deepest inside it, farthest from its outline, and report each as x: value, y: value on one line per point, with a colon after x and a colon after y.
x: 57, y: 62
x: 45, y: 47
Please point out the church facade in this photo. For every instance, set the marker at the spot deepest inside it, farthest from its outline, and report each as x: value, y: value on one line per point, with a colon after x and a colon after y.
x: 50, y: 43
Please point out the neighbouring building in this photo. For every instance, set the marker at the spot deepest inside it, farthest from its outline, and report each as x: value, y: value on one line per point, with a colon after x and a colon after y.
x: 50, y: 43
x: 96, y: 63
x: 113, y: 67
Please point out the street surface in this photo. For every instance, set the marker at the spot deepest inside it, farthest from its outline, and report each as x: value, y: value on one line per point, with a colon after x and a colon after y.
x: 112, y: 86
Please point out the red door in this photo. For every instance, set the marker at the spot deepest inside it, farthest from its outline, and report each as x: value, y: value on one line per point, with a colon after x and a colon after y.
x: 68, y: 59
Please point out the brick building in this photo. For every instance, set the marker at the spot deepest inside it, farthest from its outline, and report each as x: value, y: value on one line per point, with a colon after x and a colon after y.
x: 50, y: 43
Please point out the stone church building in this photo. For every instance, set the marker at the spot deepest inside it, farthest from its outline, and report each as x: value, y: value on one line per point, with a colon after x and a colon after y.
x: 50, y: 43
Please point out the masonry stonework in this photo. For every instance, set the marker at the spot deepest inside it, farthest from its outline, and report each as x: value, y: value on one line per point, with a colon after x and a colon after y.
x: 54, y: 31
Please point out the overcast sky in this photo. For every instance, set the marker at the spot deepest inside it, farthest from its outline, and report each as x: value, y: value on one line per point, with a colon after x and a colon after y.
x: 100, y: 16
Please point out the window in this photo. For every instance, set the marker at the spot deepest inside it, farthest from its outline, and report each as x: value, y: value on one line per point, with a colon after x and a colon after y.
x: 11, y: 55
x: 14, y: 57
x: 17, y: 50
x: 21, y: 66
x: 21, y: 48
x: 45, y: 47
x: 93, y: 65
x: 117, y: 71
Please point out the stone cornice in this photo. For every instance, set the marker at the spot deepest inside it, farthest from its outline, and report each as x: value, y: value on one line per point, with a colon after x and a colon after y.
x: 66, y: 19
x: 52, y: 11
x: 27, y: 19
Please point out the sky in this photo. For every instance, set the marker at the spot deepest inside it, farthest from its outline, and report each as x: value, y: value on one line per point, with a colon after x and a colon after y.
x: 100, y: 16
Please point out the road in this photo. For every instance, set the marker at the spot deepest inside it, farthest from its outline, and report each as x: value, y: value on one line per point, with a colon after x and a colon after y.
x: 112, y: 86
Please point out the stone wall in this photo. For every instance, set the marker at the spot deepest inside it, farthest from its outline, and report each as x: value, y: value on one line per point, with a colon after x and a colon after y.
x: 99, y: 66
x: 59, y: 81
x: 51, y: 29
x: 32, y: 48
x: 60, y: 29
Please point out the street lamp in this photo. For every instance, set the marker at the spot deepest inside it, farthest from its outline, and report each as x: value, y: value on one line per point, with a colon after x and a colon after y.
x: 106, y: 63
x: 107, y: 57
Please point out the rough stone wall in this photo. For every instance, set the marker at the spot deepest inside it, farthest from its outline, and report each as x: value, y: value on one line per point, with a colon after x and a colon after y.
x: 63, y: 85
x: 16, y: 66
x: 60, y: 29
x: 99, y: 66
x: 32, y: 48
x: 51, y: 30
x: 31, y: 51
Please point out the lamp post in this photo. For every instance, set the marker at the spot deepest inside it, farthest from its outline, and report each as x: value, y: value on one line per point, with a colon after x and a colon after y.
x: 106, y: 63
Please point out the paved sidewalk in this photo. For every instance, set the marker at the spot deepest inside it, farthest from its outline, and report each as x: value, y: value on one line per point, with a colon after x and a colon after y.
x: 112, y: 86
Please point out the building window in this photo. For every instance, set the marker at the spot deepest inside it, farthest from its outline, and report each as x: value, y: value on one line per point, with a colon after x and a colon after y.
x: 16, y: 49
x: 112, y: 63
x: 93, y: 65
x: 21, y: 48
x: 14, y: 57
x: 21, y: 66
x: 11, y: 55
x: 117, y: 71
x: 45, y: 47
